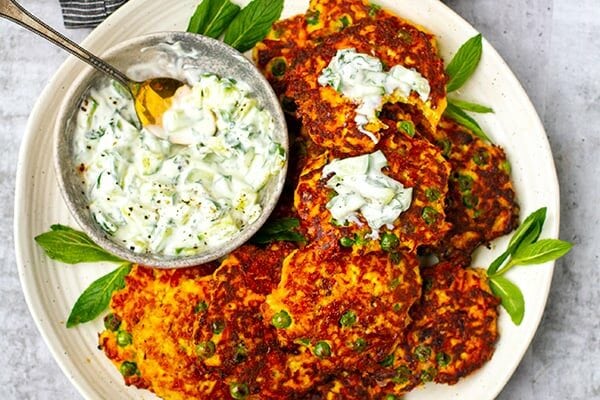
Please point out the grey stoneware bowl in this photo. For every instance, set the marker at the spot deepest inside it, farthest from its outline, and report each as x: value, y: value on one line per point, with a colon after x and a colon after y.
x: 206, y: 54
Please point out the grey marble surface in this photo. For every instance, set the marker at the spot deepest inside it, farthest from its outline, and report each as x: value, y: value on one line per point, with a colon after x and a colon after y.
x: 553, y: 46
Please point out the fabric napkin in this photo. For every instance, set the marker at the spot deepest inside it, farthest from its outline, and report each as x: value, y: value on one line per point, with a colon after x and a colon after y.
x: 87, y: 13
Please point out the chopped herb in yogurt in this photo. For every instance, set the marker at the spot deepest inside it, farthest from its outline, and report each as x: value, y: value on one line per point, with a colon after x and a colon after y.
x: 187, y: 186
x: 361, y: 78
x: 361, y: 187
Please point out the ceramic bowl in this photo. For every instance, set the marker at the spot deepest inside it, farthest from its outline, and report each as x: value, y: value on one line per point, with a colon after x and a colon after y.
x: 199, y: 53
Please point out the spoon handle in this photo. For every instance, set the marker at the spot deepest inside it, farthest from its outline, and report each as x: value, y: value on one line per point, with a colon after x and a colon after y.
x: 14, y: 12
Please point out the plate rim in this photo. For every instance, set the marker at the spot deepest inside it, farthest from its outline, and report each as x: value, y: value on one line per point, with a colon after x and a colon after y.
x: 20, y: 210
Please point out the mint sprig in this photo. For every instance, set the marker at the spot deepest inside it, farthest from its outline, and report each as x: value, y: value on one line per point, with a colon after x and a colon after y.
x: 252, y: 24
x: 283, y: 229
x: 70, y: 246
x: 524, y: 248
x: 459, y: 70
x: 95, y: 299
x: 67, y: 245
x: 464, y: 63
x: 212, y: 17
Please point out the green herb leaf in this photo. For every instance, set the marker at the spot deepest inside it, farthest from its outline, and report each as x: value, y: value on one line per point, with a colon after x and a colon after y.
x: 252, y: 24
x: 458, y: 115
x: 528, y: 232
x: 283, y: 229
x: 541, y: 252
x: 94, y: 300
x: 511, y: 297
x: 474, y: 107
x: 72, y: 247
x: 212, y: 17
x: 464, y: 63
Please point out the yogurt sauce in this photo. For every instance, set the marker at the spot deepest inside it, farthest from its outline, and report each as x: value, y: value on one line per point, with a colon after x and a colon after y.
x: 361, y: 186
x: 157, y: 196
x: 361, y: 78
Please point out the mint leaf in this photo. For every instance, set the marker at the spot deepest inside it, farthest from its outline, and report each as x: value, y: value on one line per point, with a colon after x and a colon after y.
x: 528, y: 232
x: 67, y: 245
x: 465, y: 105
x: 511, y: 297
x: 464, y: 63
x: 212, y: 17
x: 94, y: 300
x: 541, y: 252
x: 458, y: 115
x: 283, y: 229
x: 252, y: 24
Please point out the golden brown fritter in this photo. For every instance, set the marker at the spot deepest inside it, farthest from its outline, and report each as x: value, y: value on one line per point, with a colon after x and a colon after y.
x: 156, y: 311
x: 481, y: 198
x: 415, y: 163
x: 347, y: 309
x: 455, y: 323
x: 327, y: 115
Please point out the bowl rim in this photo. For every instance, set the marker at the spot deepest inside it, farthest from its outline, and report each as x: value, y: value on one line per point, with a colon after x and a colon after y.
x: 63, y: 167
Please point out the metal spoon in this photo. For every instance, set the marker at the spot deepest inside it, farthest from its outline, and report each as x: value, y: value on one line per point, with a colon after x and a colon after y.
x: 151, y: 97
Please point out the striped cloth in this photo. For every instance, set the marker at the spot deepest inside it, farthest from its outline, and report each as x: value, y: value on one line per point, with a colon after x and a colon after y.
x: 87, y: 13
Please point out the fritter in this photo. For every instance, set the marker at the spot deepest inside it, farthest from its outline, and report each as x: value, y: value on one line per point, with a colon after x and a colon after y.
x: 327, y: 115
x: 347, y: 309
x: 481, y: 202
x: 453, y: 332
x: 149, y: 337
x: 415, y: 163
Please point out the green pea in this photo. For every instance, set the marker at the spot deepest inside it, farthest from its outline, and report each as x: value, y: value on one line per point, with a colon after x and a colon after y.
x: 278, y: 67
x: 505, y: 166
x: 422, y: 353
x: 346, y: 241
x: 446, y: 147
x: 218, y: 326
x: 391, y: 397
x: 406, y: 127
x: 429, y: 215
x: 428, y: 375
x: 481, y: 157
x: 238, y: 390
x: 345, y: 21
x: 394, y: 283
x: 465, y: 182
x: 206, y: 349
x: 373, y: 9
x: 124, y: 338
x: 397, y: 307
x: 470, y: 200
x: 388, y: 361
x: 201, y: 307
x: 128, y: 368
x: 303, y: 341
x: 312, y: 17
x: 389, y: 242
x: 404, y: 35
x: 112, y: 322
x: 359, y: 345
x: 322, y: 349
x: 240, y: 354
x: 281, y: 320
x: 348, y: 319
x: 443, y: 359
x: 402, y: 375
x: 432, y: 194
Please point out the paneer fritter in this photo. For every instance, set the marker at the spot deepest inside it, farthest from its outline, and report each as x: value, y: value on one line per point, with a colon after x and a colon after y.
x: 347, y: 309
x: 415, y: 163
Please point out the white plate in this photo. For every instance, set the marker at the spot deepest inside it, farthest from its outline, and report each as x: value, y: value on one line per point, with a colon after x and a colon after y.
x: 51, y: 288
